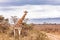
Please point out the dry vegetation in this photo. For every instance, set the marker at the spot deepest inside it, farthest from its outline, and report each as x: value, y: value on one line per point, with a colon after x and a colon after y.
x: 50, y: 28
x: 27, y: 33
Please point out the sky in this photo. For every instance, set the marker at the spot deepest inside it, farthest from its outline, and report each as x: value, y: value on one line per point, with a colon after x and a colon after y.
x: 35, y: 8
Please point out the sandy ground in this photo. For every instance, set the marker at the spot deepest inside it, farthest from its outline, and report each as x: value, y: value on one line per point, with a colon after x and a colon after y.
x: 53, y: 37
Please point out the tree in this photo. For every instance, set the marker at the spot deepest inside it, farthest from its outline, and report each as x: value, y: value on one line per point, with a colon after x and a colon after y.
x: 1, y: 18
x: 25, y: 20
x: 14, y: 19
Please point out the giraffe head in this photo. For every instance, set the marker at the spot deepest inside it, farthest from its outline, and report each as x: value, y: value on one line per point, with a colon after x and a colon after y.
x: 25, y: 12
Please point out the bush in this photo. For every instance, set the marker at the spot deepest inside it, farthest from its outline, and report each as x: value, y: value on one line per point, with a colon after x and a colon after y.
x: 4, y: 25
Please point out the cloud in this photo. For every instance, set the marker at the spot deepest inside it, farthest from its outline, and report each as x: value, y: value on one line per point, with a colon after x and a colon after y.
x: 6, y: 9
x: 30, y: 2
x: 34, y: 11
x: 6, y: 1
x: 2, y: 1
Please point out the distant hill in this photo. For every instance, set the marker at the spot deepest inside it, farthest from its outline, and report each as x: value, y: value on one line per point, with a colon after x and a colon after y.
x: 44, y: 20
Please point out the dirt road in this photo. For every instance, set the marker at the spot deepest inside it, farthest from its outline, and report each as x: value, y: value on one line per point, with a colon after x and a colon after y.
x: 53, y: 37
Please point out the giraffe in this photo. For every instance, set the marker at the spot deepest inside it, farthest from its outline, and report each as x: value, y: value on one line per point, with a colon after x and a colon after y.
x: 18, y: 25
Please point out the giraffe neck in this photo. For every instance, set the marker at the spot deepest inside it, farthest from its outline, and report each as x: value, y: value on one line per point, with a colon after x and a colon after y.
x: 21, y: 20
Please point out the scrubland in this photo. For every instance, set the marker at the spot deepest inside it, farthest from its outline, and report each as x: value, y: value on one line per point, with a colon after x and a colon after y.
x: 49, y: 28
x: 27, y: 33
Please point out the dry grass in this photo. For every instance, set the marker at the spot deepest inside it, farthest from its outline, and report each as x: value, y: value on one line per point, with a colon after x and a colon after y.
x: 35, y: 35
x: 5, y: 37
x: 28, y: 34
x: 50, y: 28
